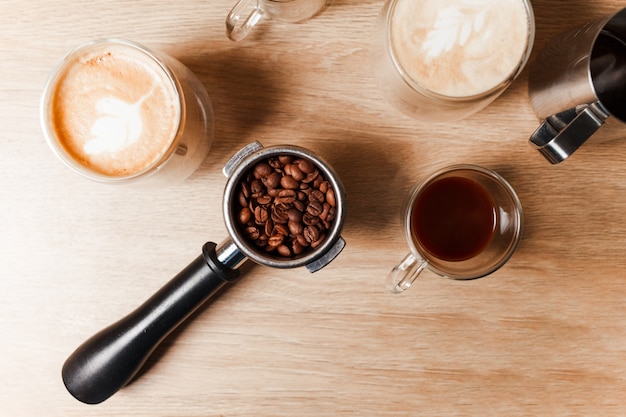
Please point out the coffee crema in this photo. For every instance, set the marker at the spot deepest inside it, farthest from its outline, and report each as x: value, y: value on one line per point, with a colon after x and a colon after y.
x: 460, y: 48
x: 115, y: 110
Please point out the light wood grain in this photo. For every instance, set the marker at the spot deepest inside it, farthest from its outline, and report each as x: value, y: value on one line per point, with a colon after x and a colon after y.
x: 544, y: 336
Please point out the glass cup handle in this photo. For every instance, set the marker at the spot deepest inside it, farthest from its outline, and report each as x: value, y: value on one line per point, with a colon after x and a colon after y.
x: 238, y: 25
x: 405, y: 273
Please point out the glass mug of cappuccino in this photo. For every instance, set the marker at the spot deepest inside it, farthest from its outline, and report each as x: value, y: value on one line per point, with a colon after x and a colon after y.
x: 463, y: 222
x: 247, y: 13
x: 118, y: 113
x: 444, y: 60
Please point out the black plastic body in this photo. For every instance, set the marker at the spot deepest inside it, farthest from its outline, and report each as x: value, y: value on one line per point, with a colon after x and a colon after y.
x: 111, y: 358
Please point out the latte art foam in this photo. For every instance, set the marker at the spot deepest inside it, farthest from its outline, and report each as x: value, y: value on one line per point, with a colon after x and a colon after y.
x: 459, y: 48
x: 115, y: 111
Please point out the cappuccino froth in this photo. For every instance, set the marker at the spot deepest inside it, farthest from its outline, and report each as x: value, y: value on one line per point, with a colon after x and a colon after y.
x: 459, y: 48
x: 115, y: 110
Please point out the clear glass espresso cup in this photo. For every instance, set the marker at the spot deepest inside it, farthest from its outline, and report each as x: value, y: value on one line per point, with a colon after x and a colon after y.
x: 245, y: 14
x: 444, y: 60
x: 151, y: 125
x: 463, y: 222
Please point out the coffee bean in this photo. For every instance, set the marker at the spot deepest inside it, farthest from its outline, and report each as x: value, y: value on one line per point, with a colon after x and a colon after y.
x: 330, y: 197
x: 286, y: 196
x: 297, y: 248
x: 311, y: 177
x: 306, y: 166
x: 317, y: 195
x: 287, y: 206
x: 262, y: 170
x: 315, y: 208
x: 279, y: 215
x: 284, y: 250
x: 260, y: 215
x: 319, y: 241
x: 264, y: 200
x: 311, y: 234
x: 295, y: 227
x: 295, y: 215
x: 253, y: 233
x: 310, y: 220
x: 289, y: 182
x: 285, y: 159
x: 245, y: 215
x: 276, y: 240
x: 282, y: 229
x: 256, y: 187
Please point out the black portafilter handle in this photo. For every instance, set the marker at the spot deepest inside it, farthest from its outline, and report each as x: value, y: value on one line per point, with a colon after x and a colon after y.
x: 108, y: 360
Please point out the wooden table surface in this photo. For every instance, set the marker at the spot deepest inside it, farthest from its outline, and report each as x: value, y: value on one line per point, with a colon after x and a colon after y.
x: 543, y: 336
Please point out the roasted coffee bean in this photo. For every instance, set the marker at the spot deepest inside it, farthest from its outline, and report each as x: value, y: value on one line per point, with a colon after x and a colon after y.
x: 330, y: 197
x: 289, y: 182
x: 325, y: 210
x: 311, y: 234
x: 315, y: 208
x: 276, y: 240
x: 285, y: 159
x: 243, y: 202
x: 256, y: 187
x: 305, y: 166
x: 311, y: 177
x: 269, y: 227
x: 262, y: 170
x: 300, y: 205
x: 294, y: 171
x: 264, y: 200
x: 287, y: 206
x: 279, y: 215
x: 282, y: 229
x: 275, y: 163
x: 317, y: 195
x: 284, y: 250
x: 319, y: 241
x: 253, y: 233
x: 272, y: 180
x: 295, y: 227
x: 297, y: 248
x: 294, y: 214
x: 260, y: 215
x: 310, y: 220
x: 286, y: 197
x: 302, y: 240
x: 245, y: 215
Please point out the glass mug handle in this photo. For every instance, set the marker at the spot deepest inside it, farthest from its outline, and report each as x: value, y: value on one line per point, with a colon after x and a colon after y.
x: 238, y: 25
x: 405, y: 273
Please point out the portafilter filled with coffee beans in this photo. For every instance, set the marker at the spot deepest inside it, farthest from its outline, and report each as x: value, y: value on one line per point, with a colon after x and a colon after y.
x: 284, y: 207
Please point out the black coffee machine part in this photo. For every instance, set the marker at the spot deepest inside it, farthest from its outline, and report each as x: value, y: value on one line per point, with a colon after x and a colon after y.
x: 110, y: 359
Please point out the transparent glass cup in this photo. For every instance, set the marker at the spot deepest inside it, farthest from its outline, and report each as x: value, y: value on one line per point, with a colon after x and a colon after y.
x: 247, y: 13
x: 179, y: 152
x: 506, y: 233
x: 458, y: 67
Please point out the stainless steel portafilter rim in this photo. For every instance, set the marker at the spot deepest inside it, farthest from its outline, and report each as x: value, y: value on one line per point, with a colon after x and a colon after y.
x: 241, y: 166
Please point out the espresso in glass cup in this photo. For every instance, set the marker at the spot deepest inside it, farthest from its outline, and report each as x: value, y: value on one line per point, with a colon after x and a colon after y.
x: 463, y: 222
x: 119, y: 113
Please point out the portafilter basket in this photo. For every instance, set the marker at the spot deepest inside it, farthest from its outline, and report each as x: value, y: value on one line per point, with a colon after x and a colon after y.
x: 110, y: 359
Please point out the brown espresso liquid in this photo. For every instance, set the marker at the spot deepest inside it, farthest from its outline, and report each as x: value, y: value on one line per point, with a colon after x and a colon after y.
x: 454, y: 219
